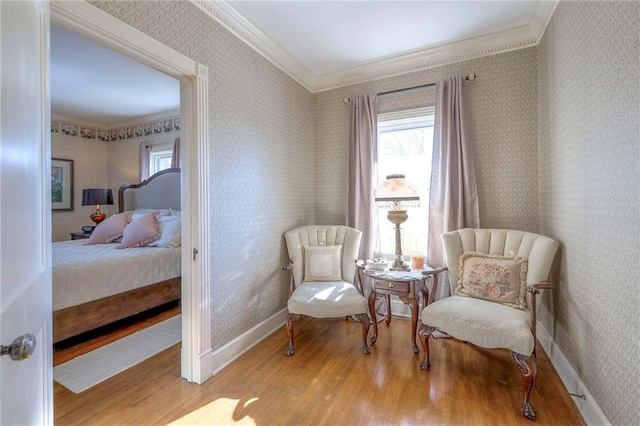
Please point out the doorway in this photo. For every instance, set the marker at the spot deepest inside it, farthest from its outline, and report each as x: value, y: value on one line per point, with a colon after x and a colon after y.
x: 102, y: 28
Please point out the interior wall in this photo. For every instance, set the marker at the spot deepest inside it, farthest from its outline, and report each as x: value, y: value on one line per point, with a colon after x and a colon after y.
x: 123, y: 158
x: 89, y: 171
x: 589, y: 99
x: 502, y: 111
x: 261, y: 165
x: 97, y: 164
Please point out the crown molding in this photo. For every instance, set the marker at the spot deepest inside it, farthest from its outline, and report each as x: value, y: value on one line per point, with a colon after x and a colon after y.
x: 227, y: 16
x: 473, y: 48
x: 90, y: 124
x: 477, y: 47
x: 161, y: 115
x: 541, y: 17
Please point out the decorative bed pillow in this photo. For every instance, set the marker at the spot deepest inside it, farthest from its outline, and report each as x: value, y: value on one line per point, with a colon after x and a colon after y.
x: 322, y: 263
x: 171, y: 233
x: 110, y: 229
x: 138, y: 213
x: 141, y: 231
x: 495, y: 278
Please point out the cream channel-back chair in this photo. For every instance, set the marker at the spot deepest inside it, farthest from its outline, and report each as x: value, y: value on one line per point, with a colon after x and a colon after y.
x: 322, y: 266
x: 479, y: 310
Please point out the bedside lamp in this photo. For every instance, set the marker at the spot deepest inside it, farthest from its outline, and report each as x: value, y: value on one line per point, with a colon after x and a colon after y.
x: 396, y: 195
x: 91, y: 197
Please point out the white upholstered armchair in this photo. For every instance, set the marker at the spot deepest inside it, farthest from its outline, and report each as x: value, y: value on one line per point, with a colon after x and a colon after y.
x: 322, y: 265
x: 494, y: 275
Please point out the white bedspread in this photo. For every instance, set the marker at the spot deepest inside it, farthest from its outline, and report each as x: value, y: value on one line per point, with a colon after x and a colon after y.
x: 85, y: 273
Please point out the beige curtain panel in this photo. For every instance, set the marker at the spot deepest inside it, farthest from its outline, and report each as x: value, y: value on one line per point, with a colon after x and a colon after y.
x: 175, y: 154
x: 363, y: 158
x: 453, y: 197
x: 144, y: 155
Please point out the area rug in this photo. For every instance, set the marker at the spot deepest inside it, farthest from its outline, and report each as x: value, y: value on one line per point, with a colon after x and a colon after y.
x: 89, y: 369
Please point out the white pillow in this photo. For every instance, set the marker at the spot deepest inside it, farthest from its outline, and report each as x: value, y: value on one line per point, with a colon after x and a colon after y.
x: 322, y: 263
x: 175, y: 212
x: 171, y: 233
x: 138, y: 213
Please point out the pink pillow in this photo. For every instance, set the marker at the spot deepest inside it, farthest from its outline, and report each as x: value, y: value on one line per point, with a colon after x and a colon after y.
x: 110, y: 229
x: 142, y: 231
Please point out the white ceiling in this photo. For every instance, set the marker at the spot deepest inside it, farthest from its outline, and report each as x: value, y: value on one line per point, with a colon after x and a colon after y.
x: 95, y: 85
x: 331, y: 36
x: 321, y: 44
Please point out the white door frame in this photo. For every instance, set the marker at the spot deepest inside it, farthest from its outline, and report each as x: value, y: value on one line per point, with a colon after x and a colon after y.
x: 100, y: 27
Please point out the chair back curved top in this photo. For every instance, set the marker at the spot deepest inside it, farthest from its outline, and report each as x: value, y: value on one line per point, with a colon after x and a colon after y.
x: 538, y: 249
x: 323, y: 235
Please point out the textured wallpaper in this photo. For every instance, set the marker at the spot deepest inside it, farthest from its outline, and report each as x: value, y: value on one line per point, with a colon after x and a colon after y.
x: 278, y: 159
x: 502, y: 110
x: 589, y: 98
x: 97, y: 164
x: 123, y: 160
x: 89, y: 171
x: 262, y: 173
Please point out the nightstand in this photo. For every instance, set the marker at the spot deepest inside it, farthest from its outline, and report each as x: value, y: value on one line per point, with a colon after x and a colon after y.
x: 79, y: 235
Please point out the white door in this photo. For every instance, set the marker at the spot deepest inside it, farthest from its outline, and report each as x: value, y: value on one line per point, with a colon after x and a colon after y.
x: 25, y: 202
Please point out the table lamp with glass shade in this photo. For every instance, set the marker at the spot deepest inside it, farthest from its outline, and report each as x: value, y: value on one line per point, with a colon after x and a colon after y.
x: 96, y: 197
x: 396, y: 195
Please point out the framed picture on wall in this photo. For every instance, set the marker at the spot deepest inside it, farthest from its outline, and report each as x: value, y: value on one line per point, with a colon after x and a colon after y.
x: 61, y: 184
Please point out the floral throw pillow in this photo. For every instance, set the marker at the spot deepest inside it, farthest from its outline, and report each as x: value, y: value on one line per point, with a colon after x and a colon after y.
x: 495, y: 278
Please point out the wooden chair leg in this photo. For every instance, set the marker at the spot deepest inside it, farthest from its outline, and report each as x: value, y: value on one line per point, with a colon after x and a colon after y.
x: 529, y: 368
x: 424, y: 333
x: 290, y: 320
x: 366, y: 322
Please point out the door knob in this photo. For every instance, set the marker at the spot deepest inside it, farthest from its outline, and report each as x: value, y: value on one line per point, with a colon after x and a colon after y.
x: 21, y: 348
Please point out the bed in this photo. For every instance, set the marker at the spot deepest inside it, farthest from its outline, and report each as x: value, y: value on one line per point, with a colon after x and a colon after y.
x: 95, y: 285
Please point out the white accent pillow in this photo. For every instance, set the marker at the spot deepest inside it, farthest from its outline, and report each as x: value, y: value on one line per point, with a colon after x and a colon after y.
x: 322, y: 263
x: 138, y: 213
x: 171, y: 233
x: 495, y: 278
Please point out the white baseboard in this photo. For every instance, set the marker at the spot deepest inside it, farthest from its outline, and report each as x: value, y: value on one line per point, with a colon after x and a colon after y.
x: 589, y: 409
x: 213, y: 362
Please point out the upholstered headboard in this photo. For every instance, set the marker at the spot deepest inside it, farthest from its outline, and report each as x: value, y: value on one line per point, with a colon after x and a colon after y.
x: 160, y: 191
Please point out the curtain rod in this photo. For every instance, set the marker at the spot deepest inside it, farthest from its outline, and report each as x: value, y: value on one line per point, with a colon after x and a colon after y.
x: 470, y: 77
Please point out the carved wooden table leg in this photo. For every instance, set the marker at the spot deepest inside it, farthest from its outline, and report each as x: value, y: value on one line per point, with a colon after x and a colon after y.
x: 372, y: 312
x: 413, y: 304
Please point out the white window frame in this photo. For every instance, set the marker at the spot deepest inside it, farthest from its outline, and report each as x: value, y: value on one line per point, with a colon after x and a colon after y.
x: 158, y: 152
x: 397, y: 121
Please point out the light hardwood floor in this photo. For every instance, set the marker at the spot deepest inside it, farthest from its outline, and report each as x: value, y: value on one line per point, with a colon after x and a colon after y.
x: 327, y: 382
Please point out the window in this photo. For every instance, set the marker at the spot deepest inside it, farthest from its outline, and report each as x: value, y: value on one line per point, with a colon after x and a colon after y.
x: 159, y: 159
x: 405, y: 141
